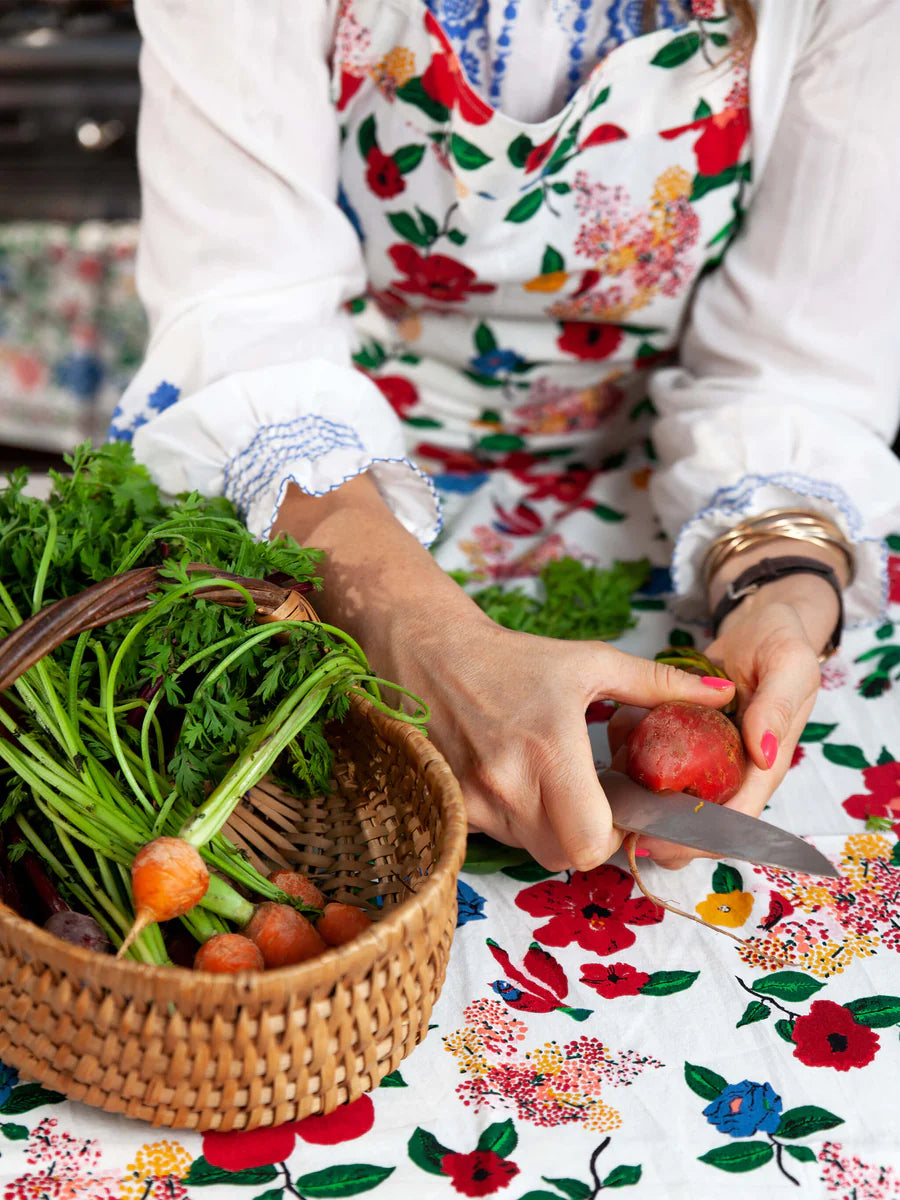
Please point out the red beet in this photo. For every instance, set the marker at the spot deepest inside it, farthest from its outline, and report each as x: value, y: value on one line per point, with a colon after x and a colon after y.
x: 683, y: 747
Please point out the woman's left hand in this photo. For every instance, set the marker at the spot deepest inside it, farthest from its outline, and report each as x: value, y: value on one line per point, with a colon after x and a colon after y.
x: 768, y: 646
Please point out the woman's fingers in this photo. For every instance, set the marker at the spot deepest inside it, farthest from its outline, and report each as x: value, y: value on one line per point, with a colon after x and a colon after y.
x: 787, y: 687
x: 614, y: 675
x: 577, y: 810
x: 620, y: 725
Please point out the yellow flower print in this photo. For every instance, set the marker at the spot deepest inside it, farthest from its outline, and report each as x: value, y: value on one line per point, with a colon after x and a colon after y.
x: 396, y: 68
x: 860, y: 849
x: 156, y: 1163
x: 551, y: 282
x: 726, y: 908
x: 548, y: 1060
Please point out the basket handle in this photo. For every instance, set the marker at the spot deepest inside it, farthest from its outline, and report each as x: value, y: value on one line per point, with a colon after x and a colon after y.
x: 123, y: 596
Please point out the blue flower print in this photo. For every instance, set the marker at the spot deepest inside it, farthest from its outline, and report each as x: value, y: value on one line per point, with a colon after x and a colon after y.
x: 745, y: 1108
x: 9, y: 1077
x: 79, y: 373
x: 495, y: 361
x: 469, y: 904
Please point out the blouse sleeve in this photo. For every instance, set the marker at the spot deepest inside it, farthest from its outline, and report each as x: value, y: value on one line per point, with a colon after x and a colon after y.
x: 788, y: 388
x: 245, y: 263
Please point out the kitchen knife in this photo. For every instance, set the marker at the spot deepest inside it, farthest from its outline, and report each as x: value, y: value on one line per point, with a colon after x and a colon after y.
x: 675, y: 817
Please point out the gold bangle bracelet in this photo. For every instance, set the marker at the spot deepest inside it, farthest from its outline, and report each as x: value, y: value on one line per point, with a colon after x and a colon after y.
x: 799, y: 525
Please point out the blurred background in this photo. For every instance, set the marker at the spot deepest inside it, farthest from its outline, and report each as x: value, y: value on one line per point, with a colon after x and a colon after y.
x: 71, y: 327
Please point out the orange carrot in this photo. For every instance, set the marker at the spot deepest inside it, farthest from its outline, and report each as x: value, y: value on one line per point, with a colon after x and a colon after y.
x: 341, y: 923
x: 283, y: 935
x: 168, y: 877
x: 226, y: 953
x: 297, y: 885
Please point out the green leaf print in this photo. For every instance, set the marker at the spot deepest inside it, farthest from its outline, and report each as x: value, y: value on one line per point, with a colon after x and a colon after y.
x: 27, y: 1096
x: 456, y: 237
x: 552, y: 261
x: 814, y: 732
x: 740, y: 1156
x: 204, y: 1174
x: 573, y: 1188
x: 531, y: 872
x: 485, y: 342
x: 622, y: 1177
x: 755, y: 1011
x: 366, y: 136
x: 577, y: 1014
x: 561, y: 189
x: 785, y: 1030
x: 393, y: 1080
x: 884, y: 631
x: 678, y: 51
x: 404, y: 223
x: 666, y: 983
x: 845, y: 756
x: 702, y: 110
x: 709, y: 183
x: 808, y: 1118
x: 500, y: 1137
x: 518, y: 150
x: 524, y: 209
x: 726, y: 879
x: 600, y: 98
x: 347, y: 1180
x: 605, y: 513
x: 427, y: 1152
x: 15, y: 1133
x: 878, y: 1012
x: 408, y: 158
x: 429, y: 225
x: 706, y: 1083
x: 801, y: 1153
x: 719, y: 39
x: 467, y: 155
x: 413, y: 93
x: 885, y: 757
x: 787, y: 985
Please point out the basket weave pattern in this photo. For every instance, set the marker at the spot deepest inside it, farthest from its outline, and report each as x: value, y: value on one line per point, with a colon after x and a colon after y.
x: 200, y: 1051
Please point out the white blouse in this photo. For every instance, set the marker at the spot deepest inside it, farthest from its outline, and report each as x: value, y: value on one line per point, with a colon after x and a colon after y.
x: 789, y: 377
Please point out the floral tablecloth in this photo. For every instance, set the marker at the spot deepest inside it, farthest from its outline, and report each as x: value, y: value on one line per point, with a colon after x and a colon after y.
x: 585, y: 1042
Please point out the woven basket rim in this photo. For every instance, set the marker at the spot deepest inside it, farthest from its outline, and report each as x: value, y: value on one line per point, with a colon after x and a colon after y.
x: 104, y: 970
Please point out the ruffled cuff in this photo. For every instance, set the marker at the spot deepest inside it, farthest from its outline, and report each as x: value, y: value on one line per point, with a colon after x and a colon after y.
x: 865, y: 600
x: 316, y: 424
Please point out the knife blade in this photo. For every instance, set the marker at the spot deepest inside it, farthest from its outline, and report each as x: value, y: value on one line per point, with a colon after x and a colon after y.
x: 675, y: 817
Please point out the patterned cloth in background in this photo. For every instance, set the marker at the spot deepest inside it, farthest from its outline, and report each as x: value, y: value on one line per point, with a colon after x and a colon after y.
x: 72, y: 330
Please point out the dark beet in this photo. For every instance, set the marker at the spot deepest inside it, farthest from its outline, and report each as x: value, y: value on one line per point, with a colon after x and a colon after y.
x: 80, y: 930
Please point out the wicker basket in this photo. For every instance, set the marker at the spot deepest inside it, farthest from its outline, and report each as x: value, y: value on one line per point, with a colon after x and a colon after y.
x: 202, y: 1051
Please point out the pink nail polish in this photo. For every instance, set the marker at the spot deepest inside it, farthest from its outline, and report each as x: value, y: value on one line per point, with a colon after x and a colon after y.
x: 769, y: 747
x: 641, y: 852
x: 714, y: 681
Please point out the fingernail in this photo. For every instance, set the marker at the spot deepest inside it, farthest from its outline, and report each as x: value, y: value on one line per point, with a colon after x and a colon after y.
x: 769, y: 747
x: 641, y: 852
x: 716, y: 681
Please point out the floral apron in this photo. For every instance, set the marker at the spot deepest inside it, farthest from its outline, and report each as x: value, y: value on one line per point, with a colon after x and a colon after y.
x: 523, y: 276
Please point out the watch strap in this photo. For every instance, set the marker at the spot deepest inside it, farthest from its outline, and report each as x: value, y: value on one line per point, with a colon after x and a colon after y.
x: 769, y: 570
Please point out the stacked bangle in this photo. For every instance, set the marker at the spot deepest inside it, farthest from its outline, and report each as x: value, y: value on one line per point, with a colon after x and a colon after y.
x: 773, y: 525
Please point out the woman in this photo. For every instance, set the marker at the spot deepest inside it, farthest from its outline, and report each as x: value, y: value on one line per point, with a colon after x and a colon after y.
x: 553, y: 207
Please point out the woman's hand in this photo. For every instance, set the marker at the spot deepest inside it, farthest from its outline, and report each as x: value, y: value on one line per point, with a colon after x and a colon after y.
x: 508, y: 709
x: 769, y: 646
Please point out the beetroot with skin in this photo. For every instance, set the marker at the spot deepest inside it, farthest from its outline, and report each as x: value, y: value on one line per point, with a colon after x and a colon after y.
x: 683, y: 747
x: 79, y: 930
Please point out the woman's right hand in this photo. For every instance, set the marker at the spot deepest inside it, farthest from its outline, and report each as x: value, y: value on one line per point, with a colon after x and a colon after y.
x: 507, y: 708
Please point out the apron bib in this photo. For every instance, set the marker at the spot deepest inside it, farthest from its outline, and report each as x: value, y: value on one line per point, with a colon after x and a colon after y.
x: 524, y: 276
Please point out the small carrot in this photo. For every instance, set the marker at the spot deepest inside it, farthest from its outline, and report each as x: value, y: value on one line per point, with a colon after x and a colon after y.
x: 296, y: 884
x: 341, y: 923
x: 168, y: 877
x: 227, y: 953
x: 283, y: 935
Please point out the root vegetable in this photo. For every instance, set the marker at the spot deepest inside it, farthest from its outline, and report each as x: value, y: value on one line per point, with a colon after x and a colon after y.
x: 283, y: 935
x: 79, y: 930
x: 227, y: 953
x: 341, y: 923
x: 168, y: 878
x: 685, y: 747
x: 295, y: 884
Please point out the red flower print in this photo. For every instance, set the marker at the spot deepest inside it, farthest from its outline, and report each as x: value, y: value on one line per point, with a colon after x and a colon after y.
x: 830, y: 1036
x: 589, y: 340
x: 523, y: 521
x: 593, y: 909
x: 614, y: 979
x: 798, y: 755
x: 779, y: 908
x: 894, y: 578
x: 521, y: 990
x: 719, y: 145
x: 603, y: 134
x: 399, y: 393
x: 438, y: 277
x: 480, y: 1173
x: 383, y: 175
x: 241, y: 1149
x: 444, y: 80
x: 539, y: 155
x: 350, y: 85
x: 883, y: 798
